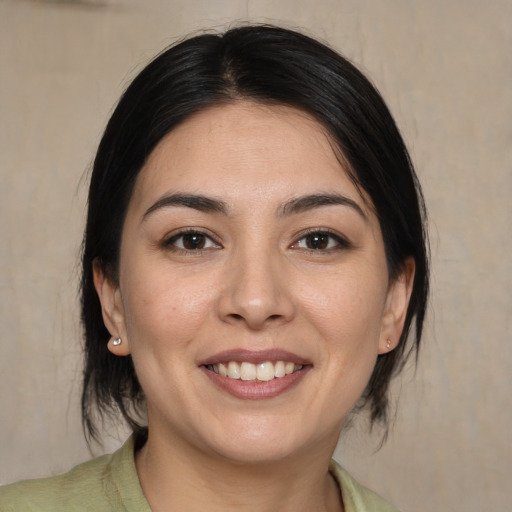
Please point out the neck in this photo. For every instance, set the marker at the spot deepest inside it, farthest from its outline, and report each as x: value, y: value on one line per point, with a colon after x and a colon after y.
x: 175, y: 477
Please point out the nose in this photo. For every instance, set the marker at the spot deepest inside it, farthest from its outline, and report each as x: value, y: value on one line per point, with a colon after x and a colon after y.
x: 256, y: 292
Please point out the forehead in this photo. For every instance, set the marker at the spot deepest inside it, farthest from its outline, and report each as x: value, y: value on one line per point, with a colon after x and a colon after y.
x: 245, y: 150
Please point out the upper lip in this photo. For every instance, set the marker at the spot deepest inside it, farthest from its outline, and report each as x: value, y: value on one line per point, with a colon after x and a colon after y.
x: 254, y: 356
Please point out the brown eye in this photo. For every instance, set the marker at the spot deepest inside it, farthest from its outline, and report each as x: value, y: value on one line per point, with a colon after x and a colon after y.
x: 321, y: 241
x: 194, y: 241
x: 317, y: 241
x: 191, y: 241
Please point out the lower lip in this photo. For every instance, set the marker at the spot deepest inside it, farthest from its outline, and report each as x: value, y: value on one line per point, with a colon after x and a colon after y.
x: 249, y: 390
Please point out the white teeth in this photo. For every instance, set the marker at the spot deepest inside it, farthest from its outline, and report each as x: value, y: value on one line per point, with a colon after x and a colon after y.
x: 279, y: 370
x: 223, y: 370
x: 247, y: 371
x: 233, y: 370
x: 265, y: 371
x: 262, y: 372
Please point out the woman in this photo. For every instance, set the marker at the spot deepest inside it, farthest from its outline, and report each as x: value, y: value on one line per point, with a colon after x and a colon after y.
x: 254, y: 259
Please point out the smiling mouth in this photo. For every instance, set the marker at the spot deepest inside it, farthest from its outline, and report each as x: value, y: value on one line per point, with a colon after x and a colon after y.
x: 262, y: 372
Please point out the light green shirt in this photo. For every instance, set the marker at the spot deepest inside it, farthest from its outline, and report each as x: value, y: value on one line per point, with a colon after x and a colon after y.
x: 110, y: 483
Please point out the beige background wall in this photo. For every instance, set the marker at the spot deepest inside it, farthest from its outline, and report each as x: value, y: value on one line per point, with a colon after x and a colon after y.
x: 445, y: 67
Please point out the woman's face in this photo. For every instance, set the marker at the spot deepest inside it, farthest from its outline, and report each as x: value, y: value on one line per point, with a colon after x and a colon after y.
x: 248, y: 251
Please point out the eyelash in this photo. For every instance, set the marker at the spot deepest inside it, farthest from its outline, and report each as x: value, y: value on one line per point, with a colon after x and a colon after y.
x: 171, y: 242
x: 340, y: 243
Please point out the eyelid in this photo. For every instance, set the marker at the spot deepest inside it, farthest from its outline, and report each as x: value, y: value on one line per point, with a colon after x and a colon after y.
x: 342, y: 241
x: 169, y: 240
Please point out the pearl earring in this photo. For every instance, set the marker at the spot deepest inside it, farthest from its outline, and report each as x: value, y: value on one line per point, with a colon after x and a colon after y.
x: 117, y: 342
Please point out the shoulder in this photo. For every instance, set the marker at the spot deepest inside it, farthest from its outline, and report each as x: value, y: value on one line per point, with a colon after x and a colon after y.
x: 54, y: 493
x: 356, y: 497
x: 79, y: 489
x: 107, y: 483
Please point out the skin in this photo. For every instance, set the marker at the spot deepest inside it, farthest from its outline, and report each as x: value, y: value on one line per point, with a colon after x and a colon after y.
x: 257, y: 284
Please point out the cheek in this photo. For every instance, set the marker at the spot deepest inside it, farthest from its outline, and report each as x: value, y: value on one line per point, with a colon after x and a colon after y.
x: 346, y: 307
x: 165, y: 309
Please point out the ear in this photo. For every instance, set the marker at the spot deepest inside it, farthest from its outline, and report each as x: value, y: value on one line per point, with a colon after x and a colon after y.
x: 111, y: 309
x: 397, y: 302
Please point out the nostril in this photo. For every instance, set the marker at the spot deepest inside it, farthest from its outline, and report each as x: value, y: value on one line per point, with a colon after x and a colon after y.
x: 256, y: 309
x: 250, y: 318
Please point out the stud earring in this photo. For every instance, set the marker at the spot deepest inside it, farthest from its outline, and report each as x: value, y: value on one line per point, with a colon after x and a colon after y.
x: 117, y: 342
x: 388, y: 344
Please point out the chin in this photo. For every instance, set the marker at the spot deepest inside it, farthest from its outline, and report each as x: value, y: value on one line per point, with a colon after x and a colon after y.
x: 263, y: 452
x: 262, y: 442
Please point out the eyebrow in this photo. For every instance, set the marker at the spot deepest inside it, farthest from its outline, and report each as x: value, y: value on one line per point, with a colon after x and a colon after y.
x: 293, y: 206
x: 309, y: 202
x: 196, y: 202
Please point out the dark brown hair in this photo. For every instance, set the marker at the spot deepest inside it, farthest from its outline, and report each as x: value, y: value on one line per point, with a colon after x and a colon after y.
x: 267, y: 65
